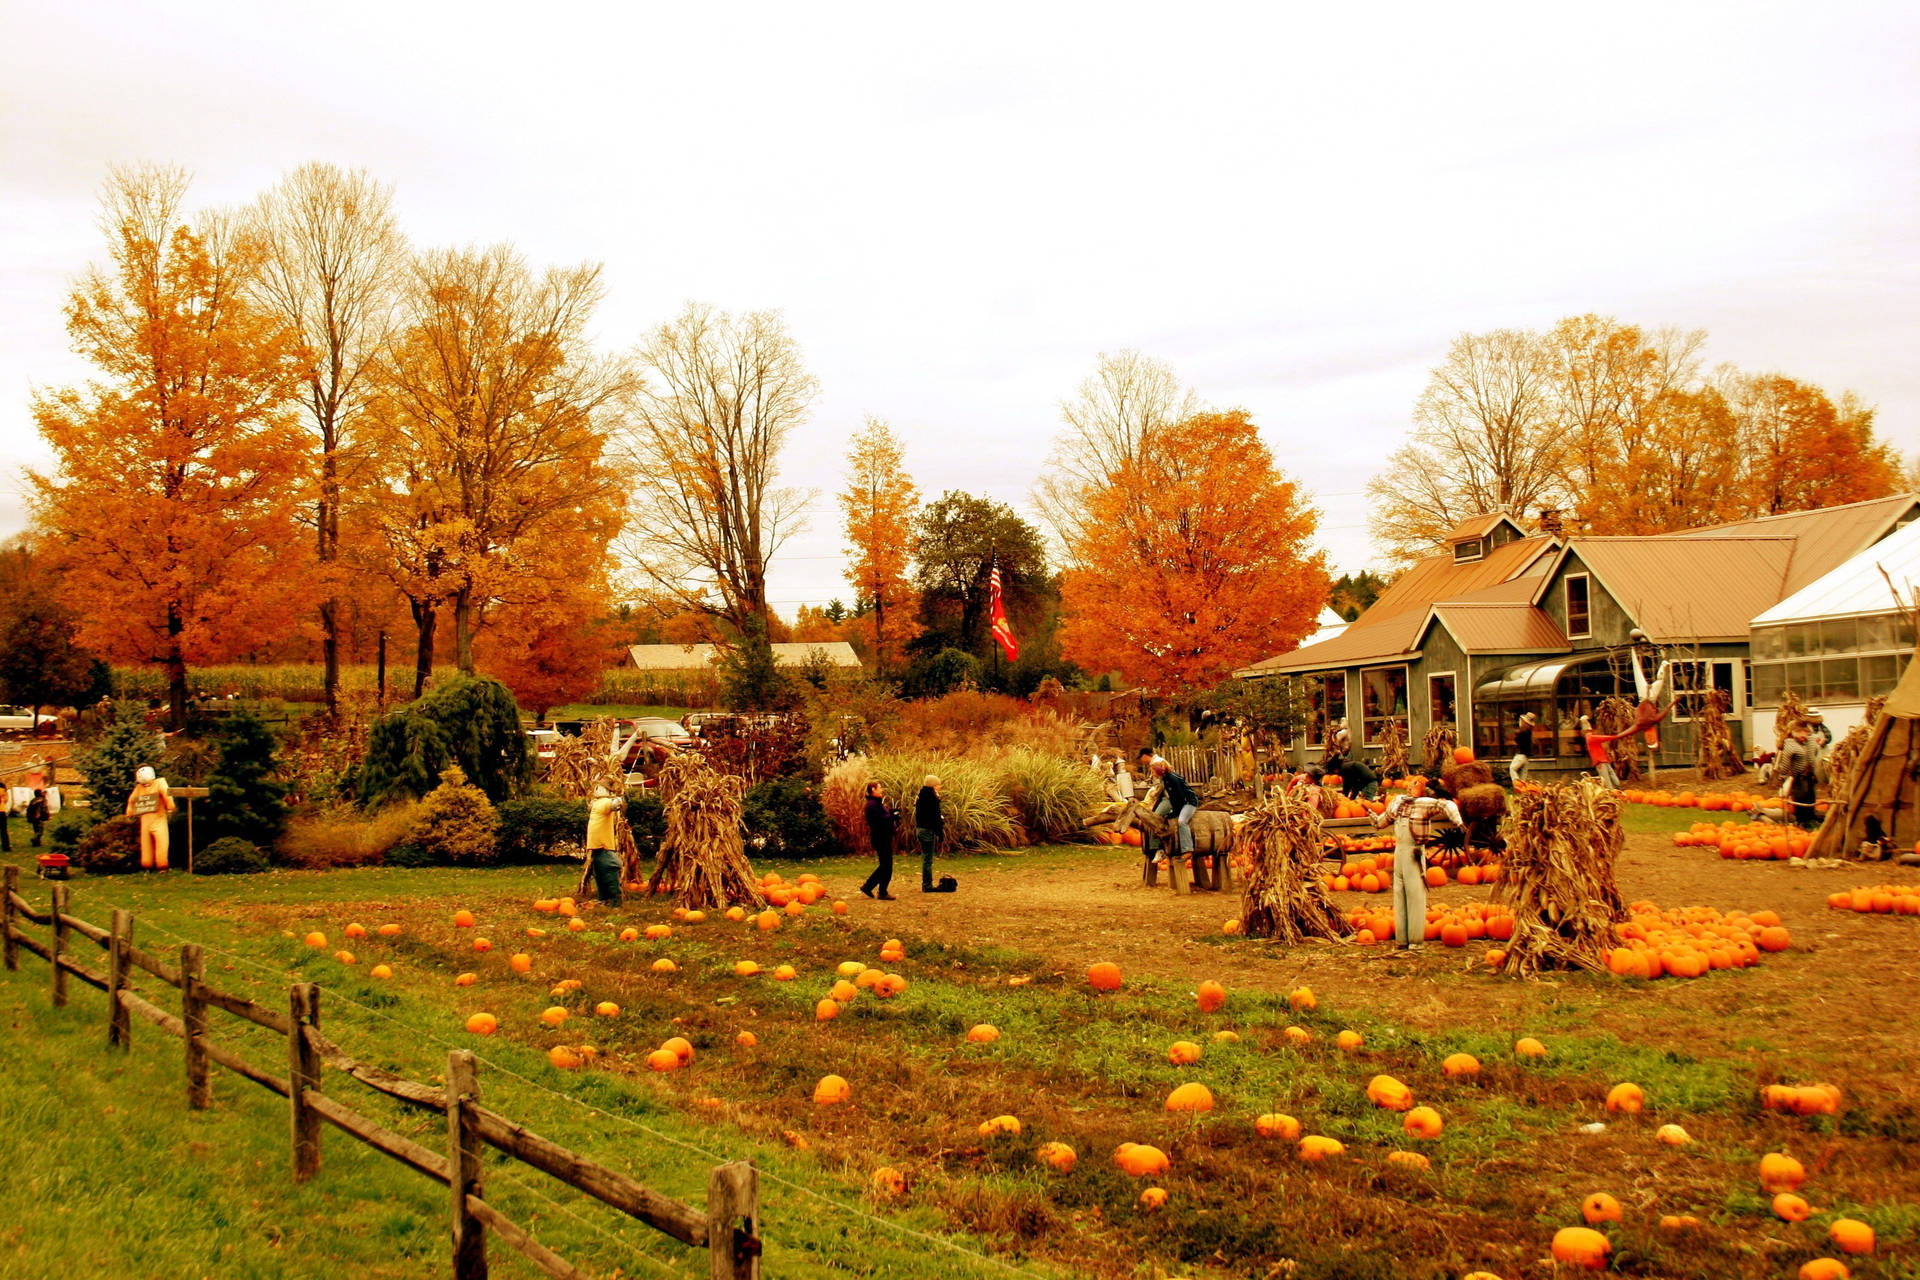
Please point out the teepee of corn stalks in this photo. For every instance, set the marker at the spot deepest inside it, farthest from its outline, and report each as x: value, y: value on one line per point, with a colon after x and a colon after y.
x: 579, y: 766
x: 1844, y: 760
x: 1393, y: 750
x: 1436, y: 749
x: 1561, y: 844
x: 1714, y: 755
x: 1611, y: 716
x: 703, y: 858
x: 1284, y: 897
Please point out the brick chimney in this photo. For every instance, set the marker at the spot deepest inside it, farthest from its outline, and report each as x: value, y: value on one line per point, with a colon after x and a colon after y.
x: 1550, y: 521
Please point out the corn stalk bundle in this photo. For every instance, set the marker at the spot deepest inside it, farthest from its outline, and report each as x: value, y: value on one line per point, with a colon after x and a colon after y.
x: 1843, y: 761
x: 579, y: 766
x: 1613, y: 716
x: 703, y: 858
x: 1791, y: 715
x: 1436, y: 749
x: 1393, y: 750
x: 1561, y: 845
x: 1714, y: 755
x: 1284, y: 897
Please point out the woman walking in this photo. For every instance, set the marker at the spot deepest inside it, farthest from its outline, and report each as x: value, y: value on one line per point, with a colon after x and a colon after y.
x: 880, y: 833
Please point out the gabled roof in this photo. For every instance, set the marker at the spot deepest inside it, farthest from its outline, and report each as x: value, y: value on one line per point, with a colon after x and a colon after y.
x: 1392, y: 638
x: 1481, y: 526
x: 1856, y: 586
x: 1678, y: 589
x: 699, y: 657
x: 1824, y: 538
x: 1498, y: 627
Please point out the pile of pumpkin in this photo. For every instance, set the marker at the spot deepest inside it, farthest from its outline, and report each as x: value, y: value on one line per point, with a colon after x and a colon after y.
x: 1375, y: 874
x: 1362, y: 844
x: 1449, y: 926
x: 1880, y: 899
x: 1745, y: 840
x: 1717, y: 802
x: 1687, y: 942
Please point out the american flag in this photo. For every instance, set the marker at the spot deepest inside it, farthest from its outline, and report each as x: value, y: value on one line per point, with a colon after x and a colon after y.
x: 997, y: 611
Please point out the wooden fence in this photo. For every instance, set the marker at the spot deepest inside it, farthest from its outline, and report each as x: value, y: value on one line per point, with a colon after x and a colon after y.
x: 728, y: 1228
x: 1201, y: 765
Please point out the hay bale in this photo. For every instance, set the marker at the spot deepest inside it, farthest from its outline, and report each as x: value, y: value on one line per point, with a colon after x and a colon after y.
x: 1559, y: 882
x: 1284, y: 897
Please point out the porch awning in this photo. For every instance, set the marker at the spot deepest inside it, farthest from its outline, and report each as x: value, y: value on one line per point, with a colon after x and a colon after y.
x: 1524, y: 683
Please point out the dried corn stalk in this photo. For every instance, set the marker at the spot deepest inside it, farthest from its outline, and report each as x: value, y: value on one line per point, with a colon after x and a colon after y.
x: 1791, y: 715
x: 703, y: 858
x: 1436, y: 749
x: 1613, y: 716
x: 1393, y: 750
x: 1843, y: 761
x: 1561, y: 844
x: 582, y: 764
x: 1714, y: 755
x: 1284, y: 896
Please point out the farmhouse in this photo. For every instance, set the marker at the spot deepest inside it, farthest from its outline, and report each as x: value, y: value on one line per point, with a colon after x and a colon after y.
x: 702, y: 657
x: 1507, y: 620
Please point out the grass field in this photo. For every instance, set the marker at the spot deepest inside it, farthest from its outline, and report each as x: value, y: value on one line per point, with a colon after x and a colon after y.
x: 99, y: 1141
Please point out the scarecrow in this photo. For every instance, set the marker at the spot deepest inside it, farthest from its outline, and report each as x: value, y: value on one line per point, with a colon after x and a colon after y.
x: 150, y: 802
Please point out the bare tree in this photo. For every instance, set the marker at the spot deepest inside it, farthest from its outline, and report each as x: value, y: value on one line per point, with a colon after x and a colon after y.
x: 1118, y: 407
x: 1611, y: 383
x: 333, y: 253
x: 492, y: 418
x: 719, y: 398
x: 1486, y: 438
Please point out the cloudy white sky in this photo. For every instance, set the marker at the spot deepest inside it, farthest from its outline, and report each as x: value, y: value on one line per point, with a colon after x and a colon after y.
x: 958, y: 207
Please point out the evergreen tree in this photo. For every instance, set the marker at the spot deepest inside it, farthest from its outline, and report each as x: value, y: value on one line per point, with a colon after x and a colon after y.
x: 244, y: 798
x: 109, y: 765
x: 470, y: 721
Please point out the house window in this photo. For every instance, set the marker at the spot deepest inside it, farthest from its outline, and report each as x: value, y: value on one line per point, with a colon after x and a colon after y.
x: 1326, y: 705
x: 1469, y: 551
x: 1579, y: 620
x: 1441, y: 707
x: 1383, y: 698
x: 1692, y: 681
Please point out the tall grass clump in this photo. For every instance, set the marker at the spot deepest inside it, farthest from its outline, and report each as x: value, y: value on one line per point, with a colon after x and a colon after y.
x: 843, y: 794
x: 1052, y: 795
x: 346, y: 835
x: 973, y: 798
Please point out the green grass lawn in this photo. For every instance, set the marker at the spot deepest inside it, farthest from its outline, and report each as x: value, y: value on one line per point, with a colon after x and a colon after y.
x: 104, y: 1171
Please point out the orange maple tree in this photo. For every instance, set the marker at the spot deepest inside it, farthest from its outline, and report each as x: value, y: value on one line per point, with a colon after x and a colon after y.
x: 1193, y: 560
x: 547, y: 651
x: 879, y: 504
x: 177, y: 470
x: 1803, y: 451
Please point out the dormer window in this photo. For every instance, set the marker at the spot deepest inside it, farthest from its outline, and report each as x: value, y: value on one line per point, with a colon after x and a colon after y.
x: 1470, y: 550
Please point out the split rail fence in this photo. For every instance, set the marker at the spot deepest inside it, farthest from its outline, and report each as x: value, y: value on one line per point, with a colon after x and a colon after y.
x: 728, y: 1228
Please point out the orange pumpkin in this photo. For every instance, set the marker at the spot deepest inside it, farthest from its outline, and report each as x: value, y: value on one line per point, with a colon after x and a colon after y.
x: 1780, y: 1172
x: 1789, y: 1207
x: 483, y: 1024
x: 1598, y: 1208
x: 1183, y: 1053
x: 1423, y: 1123
x: 1581, y: 1247
x: 1414, y: 1160
x: 1140, y: 1161
x: 1104, y: 976
x: 1314, y: 1149
x: 1212, y: 996
x: 1387, y: 1092
x: 1626, y: 1098
x: 1302, y: 998
x: 1275, y: 1125
x: 1461, y: 1065
x: 1057, y: 1156
x: 1824, y: 1269
x: 1192, y: 1096
x: 983, y: 1033
x: 1851, y: 1235
x: 831, y: 1090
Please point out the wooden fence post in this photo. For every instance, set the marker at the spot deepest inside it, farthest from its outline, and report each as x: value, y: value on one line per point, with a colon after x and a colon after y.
x: 733, y: 1193
x: 9, y: 885
x: 119, y: 1019
x: 303, y: 1073
x: 193, y: 1019
x: 463, y: 1155
x: 59, y: 946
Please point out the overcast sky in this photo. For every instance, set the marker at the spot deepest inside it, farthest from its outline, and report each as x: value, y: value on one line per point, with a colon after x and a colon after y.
x: 958, y: 207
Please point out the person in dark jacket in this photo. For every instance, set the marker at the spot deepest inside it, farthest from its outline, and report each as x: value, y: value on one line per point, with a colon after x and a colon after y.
x: 1358, y: 781
x: 1181, y: 798
x: 930, y: 826
x: 880, y: 832
x: 37, y: 812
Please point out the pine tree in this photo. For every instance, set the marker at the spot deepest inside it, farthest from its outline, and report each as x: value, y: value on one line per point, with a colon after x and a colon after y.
x: 244, y: 798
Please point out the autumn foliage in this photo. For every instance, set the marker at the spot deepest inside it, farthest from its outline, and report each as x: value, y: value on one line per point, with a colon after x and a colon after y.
x: 177, y: 470
x: 879, y: 503
x: 1193, y: 559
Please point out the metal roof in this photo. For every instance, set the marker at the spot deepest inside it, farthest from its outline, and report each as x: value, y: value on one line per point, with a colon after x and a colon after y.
x: 1439, y: 578
x: 1825, y: 538
x: 1500, y: 628
x: 1480, y: 526
x: 1694, y: 588
x: 700, y: 657
x: 1389, y: 638
x: 1856, y: 587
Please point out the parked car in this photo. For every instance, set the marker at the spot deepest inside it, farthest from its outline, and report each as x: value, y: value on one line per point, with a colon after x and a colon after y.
x: 543, y: 742
x: 23, y: 719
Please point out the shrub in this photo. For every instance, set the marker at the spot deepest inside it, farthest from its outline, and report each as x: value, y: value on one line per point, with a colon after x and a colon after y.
x: 974, y: 723
x: 229, y: 855
x: 647, y: 820
x: 244, y: 799
x: 784, y: 819
x: 68, y: 826
x: 109, y: 847
x: 937, y: 674
x: 973, y: 800
x: 470, y: 722
x: 843, y: 795
x: 534, y: 825
x: 347, y: 836
x: 1053, y: 795
x: 457, y: 823
x: 410, y: 855
x: 110, y: 763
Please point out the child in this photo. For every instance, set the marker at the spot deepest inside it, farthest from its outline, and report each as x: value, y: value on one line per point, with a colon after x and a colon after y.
x: 37, y: 814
